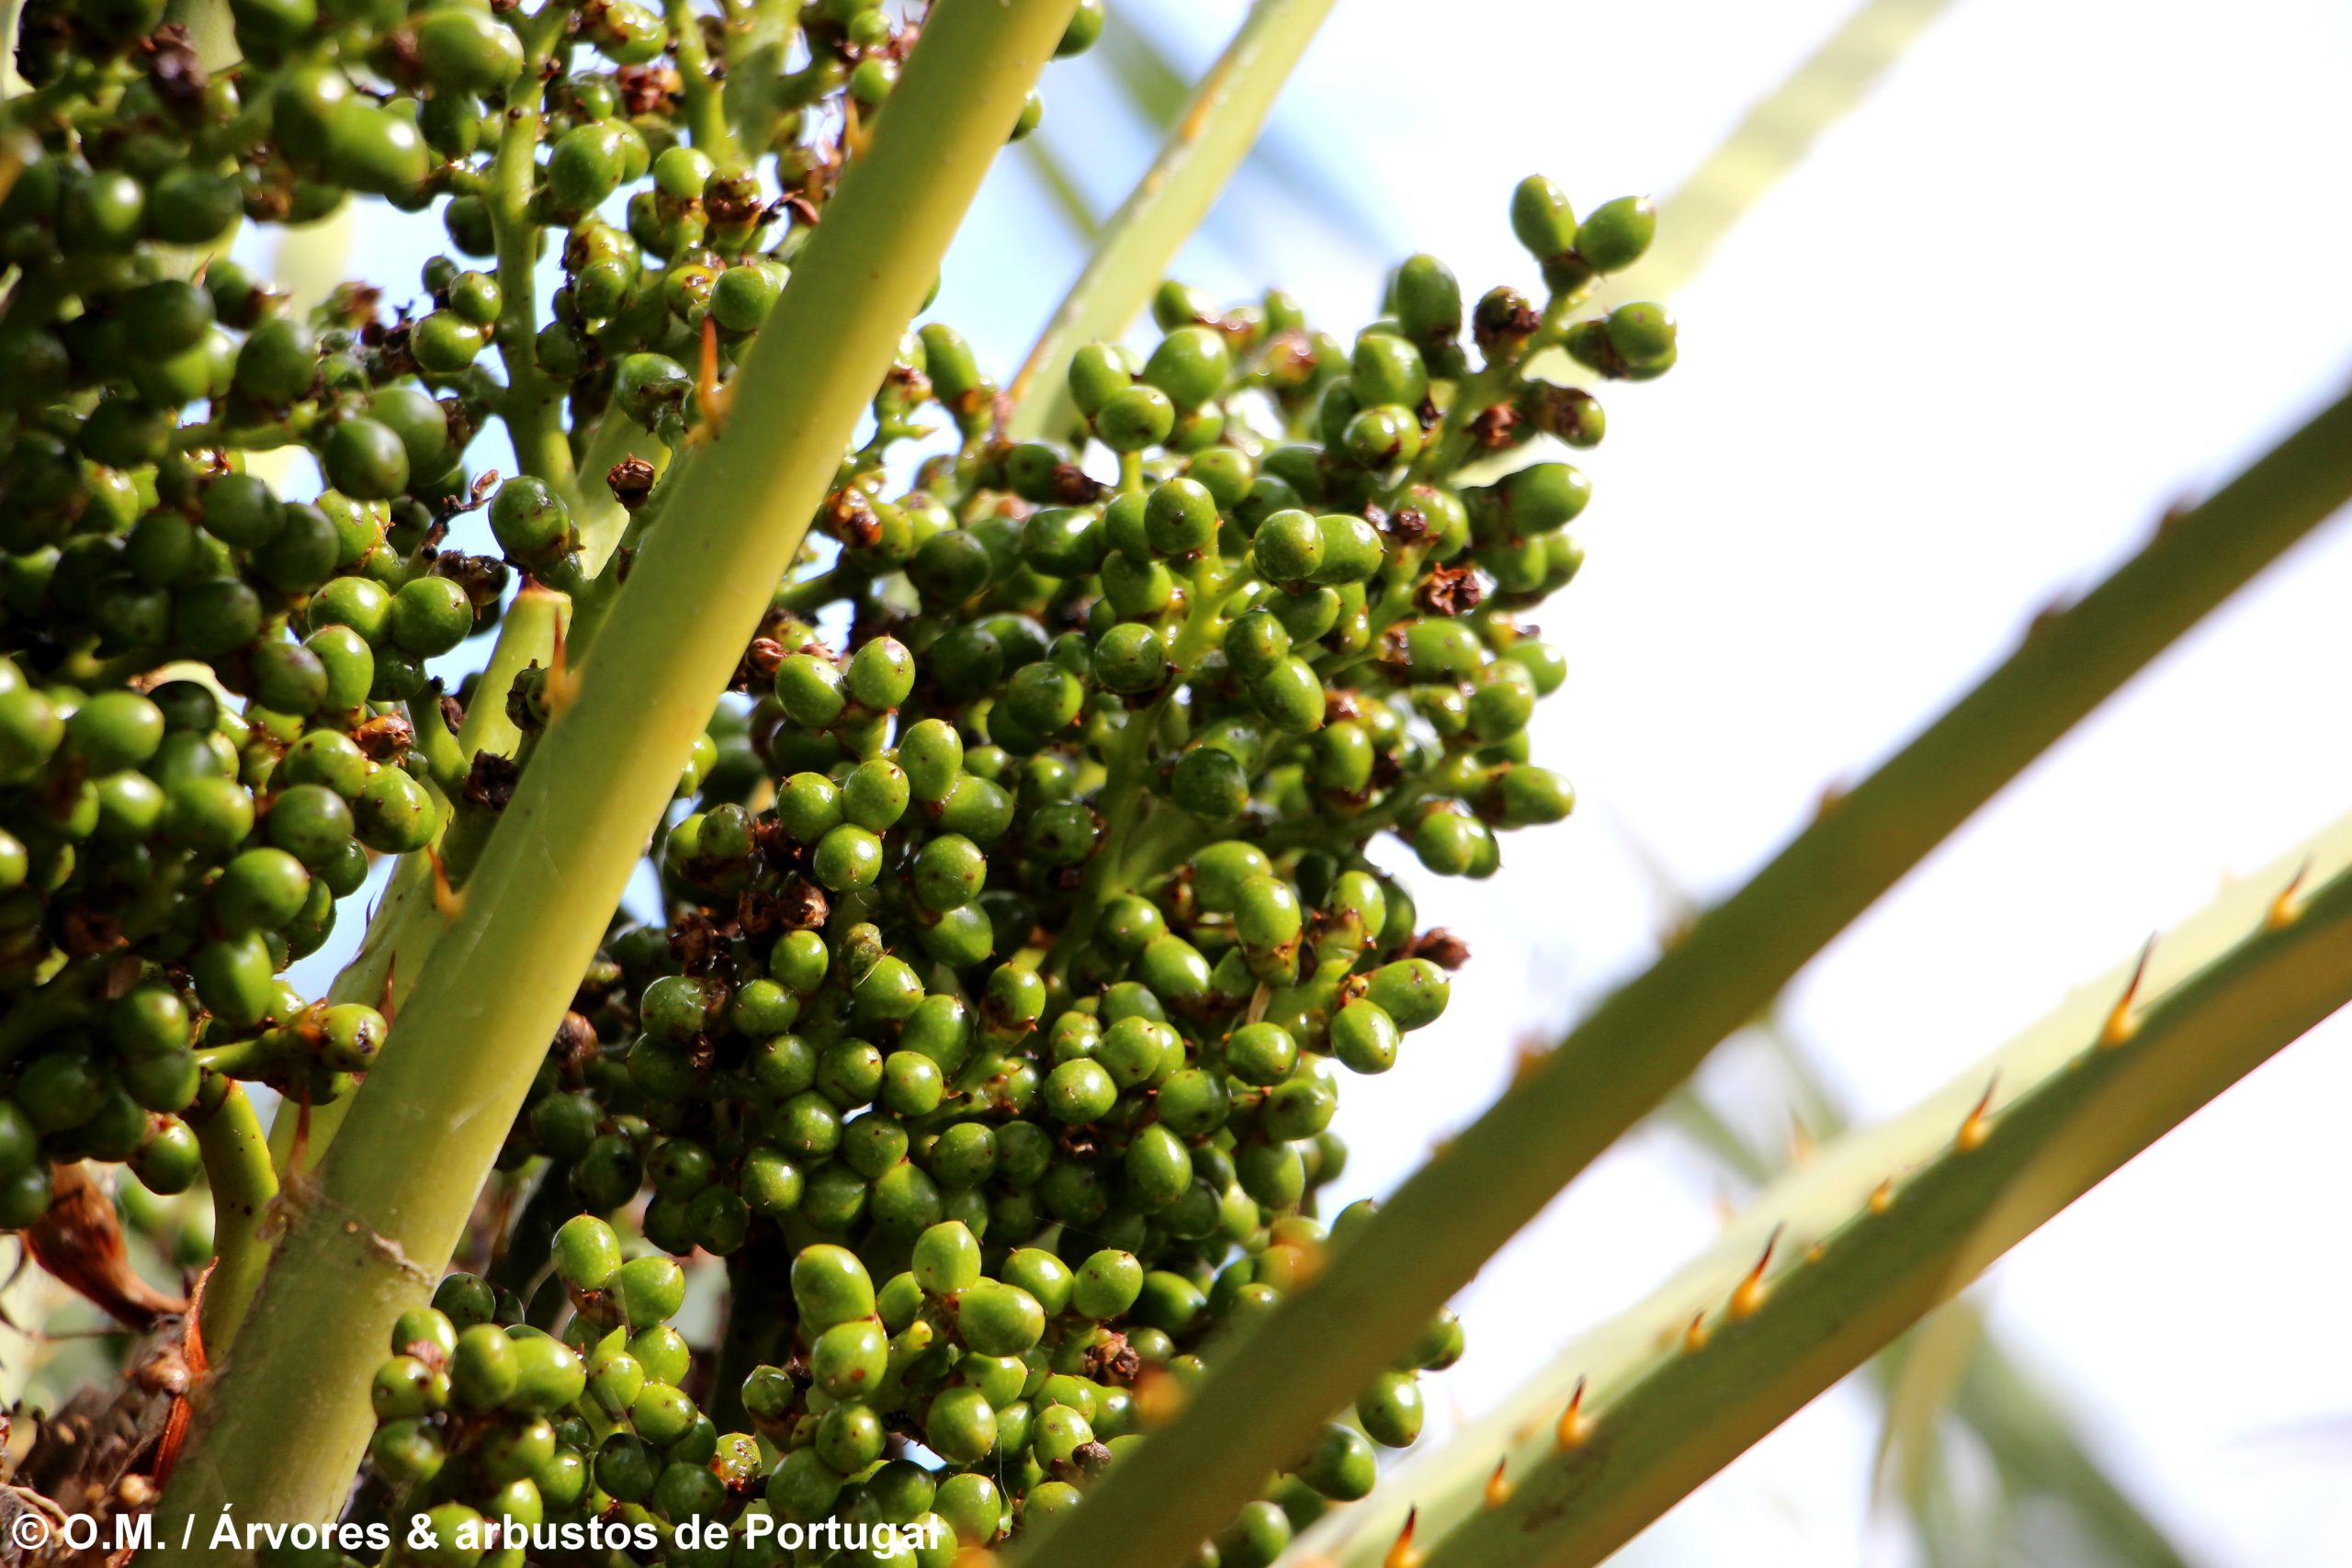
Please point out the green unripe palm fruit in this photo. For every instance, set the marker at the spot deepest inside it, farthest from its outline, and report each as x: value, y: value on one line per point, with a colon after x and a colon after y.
x: 830, y: 1286
x: 1617, y: 233
x: 947, y: 1260
x: 1107, y: 1285
x: 1641, y: 334
x: 484, y: 1369
x: 466, y: 50
x: 998, y: 1319
x: 961, y: 1427
x: 1190, y: 364
x: 531, y: 521
x: 1542, y: 218
x: 1429, y: 300
x: 587, y: 1253
x: 1138, y: 417
x: 1391, y: 1410
x: 1412, y: 991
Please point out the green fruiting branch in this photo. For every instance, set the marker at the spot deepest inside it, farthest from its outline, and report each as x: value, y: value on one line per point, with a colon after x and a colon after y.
x: 1266, y: 1395
x: 237, y: 1167
x: 1872, y: 1234
x: 1142, y: 238
x: 283, y: 1423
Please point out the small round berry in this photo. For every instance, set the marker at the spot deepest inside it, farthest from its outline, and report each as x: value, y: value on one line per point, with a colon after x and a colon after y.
x: 881, y: 674
x: 997, y: 1319
x: 1541, y: 218
x: 1209, y: 784
x: 1138, y: 417
x: 848, y: 857
x: 1391, y: 1410
x: 830, y: 1286
x: 1617, y: 233
x: 587, y: 1253
x: 1107, y: 1285
x: 365, y: 458
x: 811, y: 689
x: 961, y: 1427
x: 650, y: 1289
x: 1129, y: 660
x: 1180, y: 517
x: 1190, y: 364
x: 947, y: 1260
x: 1079, y: 1091
x: 484, y: 1369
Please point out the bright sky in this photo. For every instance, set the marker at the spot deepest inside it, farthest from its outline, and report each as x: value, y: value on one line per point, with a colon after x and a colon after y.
x: 2072, y: 262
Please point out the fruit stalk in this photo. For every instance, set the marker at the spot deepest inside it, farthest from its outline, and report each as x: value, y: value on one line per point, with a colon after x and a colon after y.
x: 237, y: 1169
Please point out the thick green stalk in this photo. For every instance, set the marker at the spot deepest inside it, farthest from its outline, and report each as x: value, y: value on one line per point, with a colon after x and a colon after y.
x: 244, y: 1182
x: 1271, y: 1388
x: 1199, y: 157
x: 280, y: 1427
x: 1877, y: 1231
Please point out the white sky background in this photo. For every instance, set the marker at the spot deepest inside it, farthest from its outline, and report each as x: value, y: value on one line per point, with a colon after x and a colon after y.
x: 2071, y: 263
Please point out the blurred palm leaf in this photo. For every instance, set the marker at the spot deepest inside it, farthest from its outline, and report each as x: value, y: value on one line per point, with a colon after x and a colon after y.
x: 1302, y: 175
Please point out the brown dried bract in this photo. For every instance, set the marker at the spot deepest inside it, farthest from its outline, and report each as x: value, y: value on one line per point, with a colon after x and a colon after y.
x: 693, y: 941
x: 1451, y: 590
x: 483, y: 577
x: 803, y: 905
x: 1073, y: 486
x: 1441, y: 947
x: 173, y: 68
x: 649, y: 89
x: 490, y: 782
x: 848, y: 515
x: 383, y: 738
x: 1111, y: 1360
x: 79, y: 1241
x: 1495, y: 428
x: 85, y: 932
x: 630, y: 480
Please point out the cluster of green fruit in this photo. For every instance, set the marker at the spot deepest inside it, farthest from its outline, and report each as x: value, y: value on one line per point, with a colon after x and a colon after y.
x: 215, y: 705
x: 1020, y: 917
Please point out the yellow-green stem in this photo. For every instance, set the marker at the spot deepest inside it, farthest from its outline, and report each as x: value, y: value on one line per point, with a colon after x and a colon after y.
x: 244, y: 1182
x: 533, y: 404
